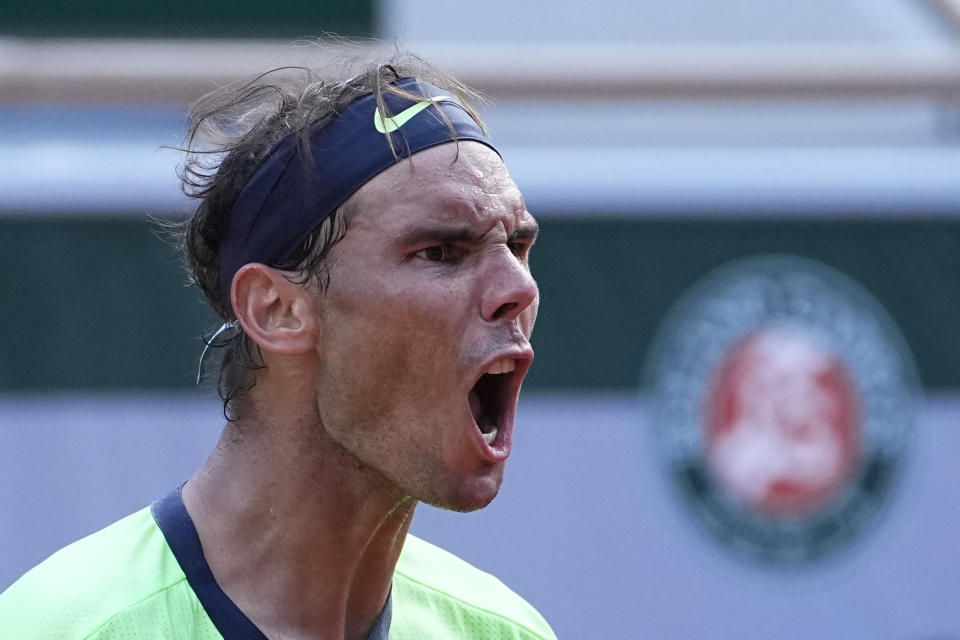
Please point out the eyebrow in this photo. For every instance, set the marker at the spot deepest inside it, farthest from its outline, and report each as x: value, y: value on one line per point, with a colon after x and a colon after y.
x: 526, y: 231
x: 441, y: 233
x: 462, y: 233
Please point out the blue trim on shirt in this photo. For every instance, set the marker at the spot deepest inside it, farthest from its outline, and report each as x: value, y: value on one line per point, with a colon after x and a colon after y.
x: 181, y: 534
x: 177, y: 527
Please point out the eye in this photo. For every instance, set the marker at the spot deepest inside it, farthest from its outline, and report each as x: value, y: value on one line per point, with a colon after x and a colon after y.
x: 519, y: 249
x: 438, y: 253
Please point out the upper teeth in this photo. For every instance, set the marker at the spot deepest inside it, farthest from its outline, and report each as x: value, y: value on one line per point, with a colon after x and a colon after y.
x: 506, y: 365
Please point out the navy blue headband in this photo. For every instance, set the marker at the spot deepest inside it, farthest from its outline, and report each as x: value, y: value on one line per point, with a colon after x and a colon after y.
x: 284, y: 200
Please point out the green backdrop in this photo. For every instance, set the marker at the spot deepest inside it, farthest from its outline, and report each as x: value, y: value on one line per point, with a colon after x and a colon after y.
x: 102, y: 303
x: 187, y: 18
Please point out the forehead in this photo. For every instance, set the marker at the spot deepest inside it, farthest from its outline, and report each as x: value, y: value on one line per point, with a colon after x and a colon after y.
x: 465, y: 182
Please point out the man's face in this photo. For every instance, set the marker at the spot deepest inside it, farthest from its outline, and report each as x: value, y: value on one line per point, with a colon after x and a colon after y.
x: 426, y: 324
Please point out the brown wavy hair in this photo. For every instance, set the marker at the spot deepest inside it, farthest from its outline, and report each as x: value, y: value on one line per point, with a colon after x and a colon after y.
x: 231, y: 131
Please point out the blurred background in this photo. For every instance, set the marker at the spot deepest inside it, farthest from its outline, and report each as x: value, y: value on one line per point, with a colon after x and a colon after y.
x: 655, y: 141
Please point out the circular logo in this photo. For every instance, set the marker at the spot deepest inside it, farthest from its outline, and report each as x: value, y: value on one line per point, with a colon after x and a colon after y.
x: 782, y: 398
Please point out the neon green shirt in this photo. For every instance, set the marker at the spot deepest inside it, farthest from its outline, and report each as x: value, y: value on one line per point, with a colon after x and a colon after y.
x: 142, y: 578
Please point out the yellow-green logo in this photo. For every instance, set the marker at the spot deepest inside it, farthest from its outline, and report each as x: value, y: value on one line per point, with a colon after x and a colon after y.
x: 391, y: 124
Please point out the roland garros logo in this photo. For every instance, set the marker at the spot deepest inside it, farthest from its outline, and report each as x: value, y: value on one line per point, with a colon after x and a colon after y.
x: 782, y: 399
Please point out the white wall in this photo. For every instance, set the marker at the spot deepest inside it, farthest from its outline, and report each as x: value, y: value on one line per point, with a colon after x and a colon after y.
x: 586, y: 527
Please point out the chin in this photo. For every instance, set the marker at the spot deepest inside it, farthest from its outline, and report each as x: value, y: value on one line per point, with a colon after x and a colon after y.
x: 470, y: 495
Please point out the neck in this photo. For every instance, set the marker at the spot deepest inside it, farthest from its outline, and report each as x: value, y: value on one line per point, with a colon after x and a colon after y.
x: 298, y: 533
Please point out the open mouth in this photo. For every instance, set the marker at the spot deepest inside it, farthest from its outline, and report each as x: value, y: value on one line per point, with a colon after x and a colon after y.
x: 490, y: 398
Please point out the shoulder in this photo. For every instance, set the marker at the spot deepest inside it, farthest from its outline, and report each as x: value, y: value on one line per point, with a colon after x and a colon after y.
x: 88, y: 589
x: 438, y: 595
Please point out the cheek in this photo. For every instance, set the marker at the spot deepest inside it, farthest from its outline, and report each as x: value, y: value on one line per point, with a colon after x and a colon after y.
x: 382, y: 360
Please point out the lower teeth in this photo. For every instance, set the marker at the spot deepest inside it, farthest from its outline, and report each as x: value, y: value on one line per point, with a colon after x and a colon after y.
x: 488, y: 429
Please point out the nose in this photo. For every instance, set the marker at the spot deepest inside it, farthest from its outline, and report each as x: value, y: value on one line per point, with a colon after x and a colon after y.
x: 509, y: 289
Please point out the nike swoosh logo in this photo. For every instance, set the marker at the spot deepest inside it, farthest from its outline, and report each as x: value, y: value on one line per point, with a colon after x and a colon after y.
x: 389, y: 125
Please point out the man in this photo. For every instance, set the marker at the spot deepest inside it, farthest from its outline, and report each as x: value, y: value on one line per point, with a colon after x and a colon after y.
x: 369, y: 254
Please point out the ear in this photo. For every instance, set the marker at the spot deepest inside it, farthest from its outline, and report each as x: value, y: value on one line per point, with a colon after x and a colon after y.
x: 275, y: 313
